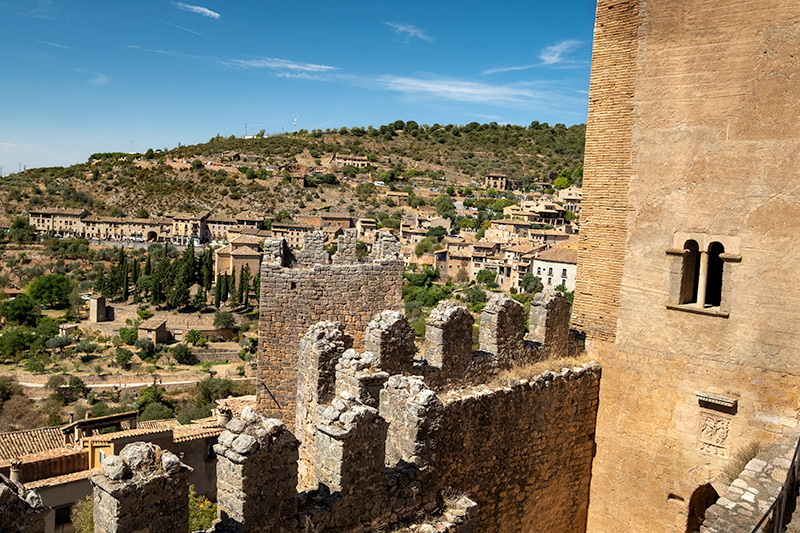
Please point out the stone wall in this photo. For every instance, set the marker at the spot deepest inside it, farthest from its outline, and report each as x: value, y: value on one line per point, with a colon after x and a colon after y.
x: 524, y: 453
x: 690, y: 119
x: 751, y: 494
x: 296, y: 294
x: 256, y: 475
x: 21, y: 511
x: 144, y: 488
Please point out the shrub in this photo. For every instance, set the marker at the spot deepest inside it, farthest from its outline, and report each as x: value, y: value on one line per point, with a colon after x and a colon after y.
x: 123, y: 357
x: 183, y: 354
x: 82, y: 515
x: 211, y: 388
x: 201, y: 511
x: 129, y: 335
x: 156, y: 411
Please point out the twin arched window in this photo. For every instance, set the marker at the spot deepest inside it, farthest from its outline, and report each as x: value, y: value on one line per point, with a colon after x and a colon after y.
x: 702, y: 274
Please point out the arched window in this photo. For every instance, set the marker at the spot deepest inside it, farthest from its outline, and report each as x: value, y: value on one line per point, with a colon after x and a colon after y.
x: 714, y: 278
x: 691, y: 272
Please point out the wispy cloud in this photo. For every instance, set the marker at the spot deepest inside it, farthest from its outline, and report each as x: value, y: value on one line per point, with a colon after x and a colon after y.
x: 556, y: 53
x: 200, y: 10
x: 508, y: 69
x: 43, y: 10
x: 459, y: 90
x: 179, y: 27
x: 551, y: 55
x: 410, y: 30
x: 280, y: 64
x: 48, y: 43
x: 97, y: 79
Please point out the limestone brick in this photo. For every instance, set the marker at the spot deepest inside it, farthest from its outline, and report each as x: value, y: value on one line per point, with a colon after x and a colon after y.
x: 689, y: 123
x: 448, y: 338
x: 502, y: 329
x: 390, y: 338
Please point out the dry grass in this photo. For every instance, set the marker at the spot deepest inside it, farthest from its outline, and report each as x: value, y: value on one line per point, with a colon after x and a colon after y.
x: 739, y: 460
x: 508, y: 377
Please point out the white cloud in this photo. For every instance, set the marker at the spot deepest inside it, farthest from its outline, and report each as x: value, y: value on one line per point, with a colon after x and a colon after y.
x: 555, y: 53
x: 179, y: 27
x: 280, y: 64
x: 198, y: 9
x: 98, y: 80
x: 410, y: 30
x: 459, y: 90
x: 506, y: 69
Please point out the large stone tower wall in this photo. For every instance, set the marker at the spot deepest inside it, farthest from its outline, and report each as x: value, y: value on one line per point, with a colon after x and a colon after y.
x: 692, y: 135
x: 298, y: 292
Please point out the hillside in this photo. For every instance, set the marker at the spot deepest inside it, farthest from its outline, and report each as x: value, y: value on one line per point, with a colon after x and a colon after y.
x: 400, y: 154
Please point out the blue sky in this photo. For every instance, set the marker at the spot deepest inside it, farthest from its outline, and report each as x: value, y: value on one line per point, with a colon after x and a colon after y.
x: 84, y: 76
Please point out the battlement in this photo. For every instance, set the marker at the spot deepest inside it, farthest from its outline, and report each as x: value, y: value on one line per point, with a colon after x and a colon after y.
x: 303, y: 289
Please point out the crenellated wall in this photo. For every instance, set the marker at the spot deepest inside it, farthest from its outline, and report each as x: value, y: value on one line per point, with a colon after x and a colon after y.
x: 297, y: 292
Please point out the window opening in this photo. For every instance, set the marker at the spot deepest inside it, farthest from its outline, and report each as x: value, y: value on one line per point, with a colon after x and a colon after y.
x: 714, y: 278
x: 691, y: 272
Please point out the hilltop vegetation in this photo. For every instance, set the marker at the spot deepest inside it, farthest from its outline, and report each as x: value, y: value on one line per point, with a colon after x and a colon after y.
x: 400, y: 154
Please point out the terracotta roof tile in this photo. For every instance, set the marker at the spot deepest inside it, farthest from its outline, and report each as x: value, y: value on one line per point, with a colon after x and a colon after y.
x: 30, y: 441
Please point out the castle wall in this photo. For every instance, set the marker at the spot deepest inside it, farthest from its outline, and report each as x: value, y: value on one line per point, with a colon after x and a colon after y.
x: 691, y: 136
x: 295, y: 297
x: 524, y: 453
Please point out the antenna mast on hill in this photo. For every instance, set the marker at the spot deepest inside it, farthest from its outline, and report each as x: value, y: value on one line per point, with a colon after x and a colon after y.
x: 295, y: 124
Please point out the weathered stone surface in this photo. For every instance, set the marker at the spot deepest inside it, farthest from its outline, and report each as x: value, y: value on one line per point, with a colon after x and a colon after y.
x: 502, y: 329
x: 448, y: 338
x: 691, y: 115
x: 292, y: 298
x: 21, y: 510
x: 153, y: 497
x: 257, y: 477
x: 390, y: 338
x: 115, y: 468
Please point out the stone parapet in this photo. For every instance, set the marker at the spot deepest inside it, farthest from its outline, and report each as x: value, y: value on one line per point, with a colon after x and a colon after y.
x: 502, y: 329
x: 256, y: 475
x: 448, y: 337
x: 752, y: 493
x: 144, y: 488
x: 21, y: 510
x: 390, y: 338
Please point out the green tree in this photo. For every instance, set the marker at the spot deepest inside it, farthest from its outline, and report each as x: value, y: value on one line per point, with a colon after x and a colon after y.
x: 156, y: 411
x: 52, y: 290
x: 195, y: 337
x: 211, y: 388
x: 123, y: 357
x: 21, y: 310
x: 486, y: 277
x: 531, y: 284
x: 129, y: 335
x: 224, y: 320
x: 183, y: 354
x: 218, y: 292
x: 437, y: 232
x: 244, y: 285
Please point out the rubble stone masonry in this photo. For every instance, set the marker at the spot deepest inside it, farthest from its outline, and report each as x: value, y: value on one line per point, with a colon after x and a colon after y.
x: 295, y: 297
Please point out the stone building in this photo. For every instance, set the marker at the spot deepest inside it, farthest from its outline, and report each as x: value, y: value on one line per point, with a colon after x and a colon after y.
x: 687, y: 264
x: 242, y: 250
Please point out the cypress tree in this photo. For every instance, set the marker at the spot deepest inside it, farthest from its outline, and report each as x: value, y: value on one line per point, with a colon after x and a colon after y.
x: 257, y: 288
x: 125, y: 283
x: 148, y: 268
x: 244, y: 285
x: 218, y: 292
x: 224, y: 295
